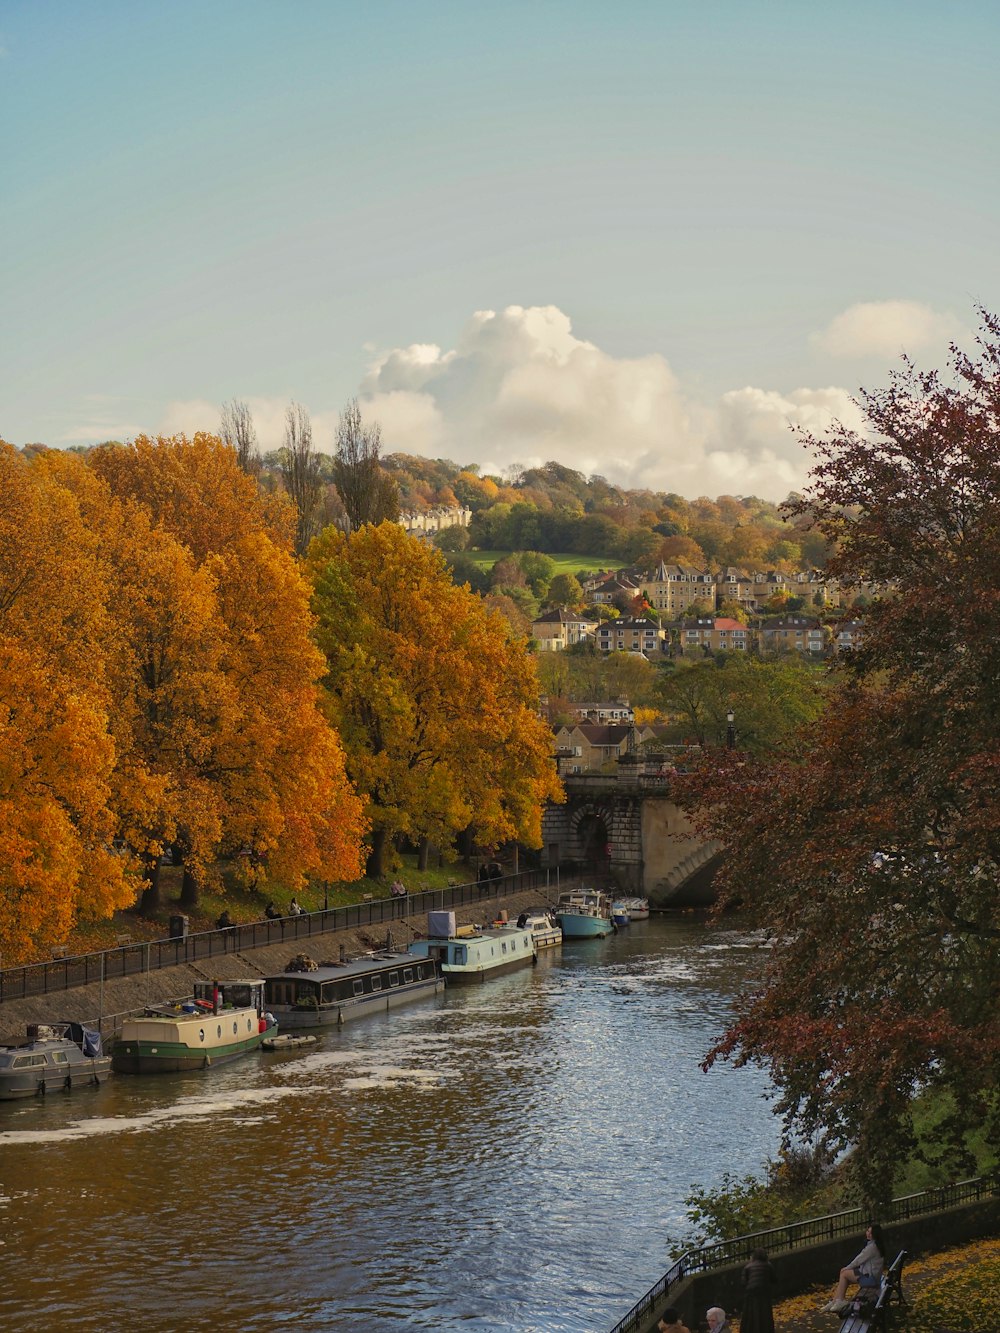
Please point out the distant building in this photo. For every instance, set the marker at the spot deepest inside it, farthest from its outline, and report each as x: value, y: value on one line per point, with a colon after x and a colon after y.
x: 629, y: 635
x: 671, y: 589
x: 796, y: 633
x: 560, y: 629
x: 714, y: 634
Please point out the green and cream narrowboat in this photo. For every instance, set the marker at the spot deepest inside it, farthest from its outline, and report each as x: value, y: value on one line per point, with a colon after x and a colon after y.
x: 221, y: 1021
x: 467, y: 953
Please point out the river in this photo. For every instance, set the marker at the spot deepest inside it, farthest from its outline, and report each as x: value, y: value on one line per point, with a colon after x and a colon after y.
x: 513, y: 1156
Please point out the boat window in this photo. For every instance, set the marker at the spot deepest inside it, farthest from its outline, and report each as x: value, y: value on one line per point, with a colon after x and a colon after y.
x: 376, y: 983
x: 407, y: 973
x: 28, y: 1061
x: 218, y: 1030
x: 201, y: 1034
x: 359, y: 986
x: 235, y: 1029
x: 503, y: 947
x: 460, y: 956
x: 60, y: 1057
x: 393, y: 978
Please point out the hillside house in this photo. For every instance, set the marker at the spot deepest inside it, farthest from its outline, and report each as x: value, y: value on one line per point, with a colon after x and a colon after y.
x: 630, y: 635
x: 557, y: 630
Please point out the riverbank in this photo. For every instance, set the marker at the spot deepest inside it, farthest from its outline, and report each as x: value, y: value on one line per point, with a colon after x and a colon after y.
x: 103, y: 1005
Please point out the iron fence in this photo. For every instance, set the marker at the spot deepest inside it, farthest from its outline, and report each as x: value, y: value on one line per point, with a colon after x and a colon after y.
x: 133, y: 959
x: 799, y: 1235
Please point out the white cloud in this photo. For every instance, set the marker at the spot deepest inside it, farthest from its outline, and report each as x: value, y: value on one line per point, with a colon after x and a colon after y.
x: 520, y: 387
x: 885, y: 329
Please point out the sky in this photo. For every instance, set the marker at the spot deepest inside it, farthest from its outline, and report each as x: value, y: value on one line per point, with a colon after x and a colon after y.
x: 642, y: 239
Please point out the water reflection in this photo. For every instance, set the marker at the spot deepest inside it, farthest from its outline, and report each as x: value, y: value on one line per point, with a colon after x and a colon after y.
x: 514, y: 1156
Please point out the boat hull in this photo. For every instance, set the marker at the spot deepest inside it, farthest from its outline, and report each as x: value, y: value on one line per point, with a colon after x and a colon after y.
x: 36, y: 1081
x: 345, y: 1011
x: 580, y: 927
x: 469, y: 976
x: 139, y: 1057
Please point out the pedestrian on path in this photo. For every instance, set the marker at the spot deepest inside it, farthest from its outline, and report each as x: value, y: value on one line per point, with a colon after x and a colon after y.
x: 717, y: 1321
x: 670, y: 1322
x: 757, y: 1315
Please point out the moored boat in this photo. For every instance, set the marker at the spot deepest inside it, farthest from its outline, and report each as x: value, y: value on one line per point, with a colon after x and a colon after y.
x: 469, y: 953
x: 638, y: 908
x: 329, y: 994
x: 545, y: 930
x: 222, y: 1020
x: 57, y: 1057
x: 620, y: 914
x: 285, y: 1041
x: 584, y: 914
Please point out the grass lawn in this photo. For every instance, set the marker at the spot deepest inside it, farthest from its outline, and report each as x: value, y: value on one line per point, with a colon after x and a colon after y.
x: 565, y: 562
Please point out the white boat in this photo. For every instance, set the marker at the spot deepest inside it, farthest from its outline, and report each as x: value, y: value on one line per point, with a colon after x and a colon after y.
x: 638, y: 908
x: 223, y: 1019
x: 545, y: 930
x: 584, y: 914
x: 329, y: 994
x: 469, y: 953
x: 56, y: 1058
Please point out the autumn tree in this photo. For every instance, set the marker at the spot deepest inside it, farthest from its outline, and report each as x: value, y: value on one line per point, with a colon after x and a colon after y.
x: 218, y: 725
x: 368, y: 493
x: 434, y: 698
x: 870, y: 854
x: 57, y: 867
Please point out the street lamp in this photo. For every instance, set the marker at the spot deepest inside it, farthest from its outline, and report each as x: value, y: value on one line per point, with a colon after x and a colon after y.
x: 730, y: 730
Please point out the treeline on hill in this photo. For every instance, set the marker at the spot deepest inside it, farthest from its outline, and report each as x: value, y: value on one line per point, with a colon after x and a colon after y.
x: 172, y: 676
x: 555, y: 509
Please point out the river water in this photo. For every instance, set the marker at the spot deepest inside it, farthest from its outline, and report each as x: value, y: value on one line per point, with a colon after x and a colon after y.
x: 513, y: 1156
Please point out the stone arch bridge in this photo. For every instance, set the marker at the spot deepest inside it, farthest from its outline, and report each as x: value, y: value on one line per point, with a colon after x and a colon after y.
x: 622, y: 828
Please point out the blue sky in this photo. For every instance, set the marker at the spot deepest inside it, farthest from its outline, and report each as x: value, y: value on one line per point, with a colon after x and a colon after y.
x: 692, y: 222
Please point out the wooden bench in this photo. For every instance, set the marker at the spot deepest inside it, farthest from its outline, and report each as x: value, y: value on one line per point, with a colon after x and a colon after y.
x: 871, y: 1308
x: 367, y: 897
x: 60, y: 951
x: 123, y: 941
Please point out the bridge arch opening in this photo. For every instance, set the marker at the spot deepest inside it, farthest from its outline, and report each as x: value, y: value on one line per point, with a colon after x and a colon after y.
x: 594, y: 841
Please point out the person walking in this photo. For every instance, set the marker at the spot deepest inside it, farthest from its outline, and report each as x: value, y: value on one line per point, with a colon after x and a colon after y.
x: 865, y: 1269
x: 717, y: 1321
x: 757, y: 1315
x: 670, y: 1322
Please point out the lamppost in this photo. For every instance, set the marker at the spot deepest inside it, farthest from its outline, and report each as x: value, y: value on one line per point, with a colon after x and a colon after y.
x: 730, y: 730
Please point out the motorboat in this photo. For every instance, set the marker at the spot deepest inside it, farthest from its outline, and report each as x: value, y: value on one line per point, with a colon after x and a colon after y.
x: 57, y: 1057
x: 473, y: 954
x: 584, y: 914
x: 545, y: 930
x: 638, y: 908
x: 221, y: 1020
x: 328, y: 994
x: 620, y: 914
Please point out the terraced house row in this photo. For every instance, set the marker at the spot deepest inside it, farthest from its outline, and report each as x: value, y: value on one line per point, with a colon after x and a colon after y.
x: 558, y: 630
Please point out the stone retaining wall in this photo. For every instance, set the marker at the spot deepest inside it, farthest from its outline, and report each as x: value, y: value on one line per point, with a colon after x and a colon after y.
x: 105, y: 1006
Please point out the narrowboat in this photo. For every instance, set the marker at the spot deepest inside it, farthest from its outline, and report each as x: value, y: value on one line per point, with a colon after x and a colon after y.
x: 469, y: 953
x: 584, y: 914
x: 57, y: 1057
x: 222, y: 1020
x: 335, y: 993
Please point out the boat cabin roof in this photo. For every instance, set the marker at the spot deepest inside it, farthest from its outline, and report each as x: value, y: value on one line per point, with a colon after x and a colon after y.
x: 337, y: 971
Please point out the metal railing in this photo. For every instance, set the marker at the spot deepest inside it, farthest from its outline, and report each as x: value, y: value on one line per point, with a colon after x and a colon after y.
x: 799, y: 1235
x: 128, y: 960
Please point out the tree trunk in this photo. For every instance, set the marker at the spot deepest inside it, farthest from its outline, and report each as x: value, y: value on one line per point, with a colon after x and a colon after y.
x: 149, y: 903
x: 189, y: 890
x: 423, y: 855
x: 376, y: 857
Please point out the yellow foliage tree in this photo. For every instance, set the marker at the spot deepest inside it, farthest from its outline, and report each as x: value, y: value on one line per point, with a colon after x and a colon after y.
x: 434, y: 698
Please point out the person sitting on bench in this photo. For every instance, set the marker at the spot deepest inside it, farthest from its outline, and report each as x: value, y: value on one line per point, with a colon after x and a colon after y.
x: 865, y: 1269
